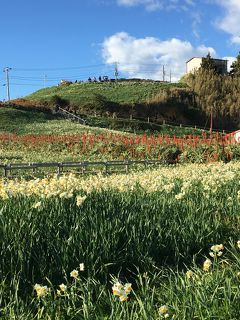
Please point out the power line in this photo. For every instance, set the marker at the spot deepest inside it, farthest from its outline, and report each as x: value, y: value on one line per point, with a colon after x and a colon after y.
x: 123, y: 69
x: 57, y: 68
x: 126, y: 67
x: 87, y: 66
x: 26, y: 84
x: 142, y: 70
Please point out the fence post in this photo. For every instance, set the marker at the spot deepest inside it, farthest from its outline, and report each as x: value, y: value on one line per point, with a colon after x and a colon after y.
x: 82, y: 166
x: 126, y: 167
x: 34, y: 168
x: 180, y: 125
x: 59, y: 169
x: 148, y: 120
x: 106, y: 167
x: 5, y: 171
x: 145, y: 163
x: 59, y: 166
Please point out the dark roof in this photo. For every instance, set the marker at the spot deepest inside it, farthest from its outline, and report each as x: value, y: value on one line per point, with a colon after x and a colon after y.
x: 193, y: 58
x: 205, y: 57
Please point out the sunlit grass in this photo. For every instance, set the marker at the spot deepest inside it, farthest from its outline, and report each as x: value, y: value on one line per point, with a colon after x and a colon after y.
x: 122, y: 92
x: 70, y: 246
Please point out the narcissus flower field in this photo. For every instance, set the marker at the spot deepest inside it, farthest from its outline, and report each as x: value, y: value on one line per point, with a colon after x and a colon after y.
x: 157, y: 244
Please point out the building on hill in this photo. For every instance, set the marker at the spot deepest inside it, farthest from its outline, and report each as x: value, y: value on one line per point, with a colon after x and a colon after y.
x: 194, y: 64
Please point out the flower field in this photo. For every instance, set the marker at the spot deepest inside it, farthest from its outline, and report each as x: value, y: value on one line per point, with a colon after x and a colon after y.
x: 154, y: 244
x: 115, y: 146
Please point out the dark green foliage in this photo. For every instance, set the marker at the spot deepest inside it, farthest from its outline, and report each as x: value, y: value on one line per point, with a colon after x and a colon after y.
x: 217, y: 66
x: 235, y: 67
x: 208, y: 63
x: 97, y: 104
x: 56, y: 100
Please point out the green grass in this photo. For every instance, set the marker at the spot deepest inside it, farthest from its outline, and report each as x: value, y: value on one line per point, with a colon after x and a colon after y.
x: 123, y: 99
x: 16, y: 119
x: 147, y: 238
x: 142, y: 127
x: 121, y: 92
x: 25, y: 120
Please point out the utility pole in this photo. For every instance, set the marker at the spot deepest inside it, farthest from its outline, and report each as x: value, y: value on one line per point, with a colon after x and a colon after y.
x: 3, y: 95
x: 163, y: 73
x: 6, y: 70
x: 170, y: 76
x: 116, y: 71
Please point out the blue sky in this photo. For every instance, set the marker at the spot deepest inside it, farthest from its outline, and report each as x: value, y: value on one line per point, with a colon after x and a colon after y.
x: 48, y: 40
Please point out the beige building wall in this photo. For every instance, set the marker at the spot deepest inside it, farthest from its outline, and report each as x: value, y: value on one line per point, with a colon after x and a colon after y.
x: 194, y: 64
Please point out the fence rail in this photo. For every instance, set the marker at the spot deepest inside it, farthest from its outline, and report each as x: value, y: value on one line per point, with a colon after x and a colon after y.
x: 72, y: 116
x: 85, y: 166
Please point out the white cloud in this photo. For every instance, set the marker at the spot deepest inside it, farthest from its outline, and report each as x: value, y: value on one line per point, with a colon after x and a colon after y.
x: 145, y: 57
x: 152, y: 5
x: 230, y: 61
x: 196, y: 21
x: 230, y: 22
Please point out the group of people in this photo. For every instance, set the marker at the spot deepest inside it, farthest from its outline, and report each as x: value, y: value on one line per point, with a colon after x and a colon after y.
x: 100, y: 79
x: 93, y: 79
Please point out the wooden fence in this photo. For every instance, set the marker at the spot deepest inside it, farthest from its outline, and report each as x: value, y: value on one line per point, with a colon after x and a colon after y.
x: 71, y: 116
x: 83, y: 167
x: 76, y: 118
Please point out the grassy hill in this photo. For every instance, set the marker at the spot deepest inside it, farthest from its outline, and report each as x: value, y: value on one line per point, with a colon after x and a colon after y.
x: 134, y: 106
x: 143, y: 100
x: 126, y: 92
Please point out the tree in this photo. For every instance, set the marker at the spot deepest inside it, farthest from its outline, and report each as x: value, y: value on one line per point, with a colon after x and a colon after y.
x: 235, y: 67
x: 208, y: 63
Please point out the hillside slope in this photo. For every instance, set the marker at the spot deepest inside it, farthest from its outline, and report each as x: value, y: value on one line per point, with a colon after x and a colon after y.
x: 143, y: 100
x: 30, y: 120
x: 125, y: 92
